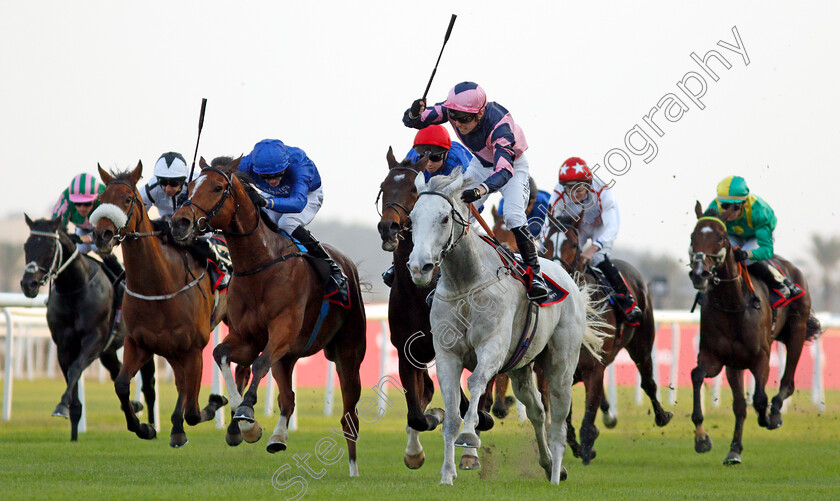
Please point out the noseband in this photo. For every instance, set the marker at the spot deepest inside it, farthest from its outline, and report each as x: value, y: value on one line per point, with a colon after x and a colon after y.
x: 458, y: 219
x: 718, y: 258
x: 56, y: 267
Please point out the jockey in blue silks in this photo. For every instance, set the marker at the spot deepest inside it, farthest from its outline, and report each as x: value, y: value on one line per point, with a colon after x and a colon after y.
x: 291, y: 195
x: 443, y: 156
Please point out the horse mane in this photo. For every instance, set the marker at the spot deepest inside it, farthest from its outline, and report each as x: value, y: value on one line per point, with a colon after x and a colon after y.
x: 444, y: 184
x: 711, y: 212
x: 122, y: 175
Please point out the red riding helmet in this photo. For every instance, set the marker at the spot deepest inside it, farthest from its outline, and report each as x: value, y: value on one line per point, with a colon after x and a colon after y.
x: 574, y: 170
x: 435, y: 135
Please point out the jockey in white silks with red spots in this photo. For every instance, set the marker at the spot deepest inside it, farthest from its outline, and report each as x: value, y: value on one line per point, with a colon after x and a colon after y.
x: 577, y: 192
x: 487, y: 129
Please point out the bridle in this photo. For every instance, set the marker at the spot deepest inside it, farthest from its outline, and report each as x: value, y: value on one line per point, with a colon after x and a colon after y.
x: 119, y: 237
x: 457, y: 219
x: 406, y: 226
x: 202, y: 224
x: 717, y: 258
x: 56, y: 266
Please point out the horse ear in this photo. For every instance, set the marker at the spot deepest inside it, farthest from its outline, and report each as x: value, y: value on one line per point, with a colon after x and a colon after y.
x: 29, y: 222
x: 234, y: 166
x: 202, y: 163
x: 698, y: 209
x: 54, y: 223
x: 494, y: 212
x: 421, y: 165
x: 392, y: 160
x: 104, y: 175
x: 137, y: 173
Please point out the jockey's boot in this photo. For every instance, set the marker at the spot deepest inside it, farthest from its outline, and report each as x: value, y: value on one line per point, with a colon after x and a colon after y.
x: 315, y: 248
x: 624, y: 299
x: 538, y: 290
x: 201, y: 251
x: 774, y: 279
x: 388, y: 276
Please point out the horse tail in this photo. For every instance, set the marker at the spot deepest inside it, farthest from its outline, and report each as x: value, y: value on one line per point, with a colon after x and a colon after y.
x: 813, y: 328
x: 596, y: 328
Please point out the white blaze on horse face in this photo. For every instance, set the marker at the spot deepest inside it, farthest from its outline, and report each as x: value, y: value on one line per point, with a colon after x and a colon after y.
x: 706, y: 229
x: 198, y: 181
x: 399, y: 177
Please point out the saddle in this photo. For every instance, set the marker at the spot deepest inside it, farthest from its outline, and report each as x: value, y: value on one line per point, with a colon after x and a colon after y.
x: 523, y: 273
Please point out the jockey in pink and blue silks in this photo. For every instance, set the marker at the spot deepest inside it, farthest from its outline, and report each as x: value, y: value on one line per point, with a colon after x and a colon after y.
x: 499, y: 164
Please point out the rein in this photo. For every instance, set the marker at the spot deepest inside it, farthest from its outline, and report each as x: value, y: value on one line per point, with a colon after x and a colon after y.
x: 56, y: 267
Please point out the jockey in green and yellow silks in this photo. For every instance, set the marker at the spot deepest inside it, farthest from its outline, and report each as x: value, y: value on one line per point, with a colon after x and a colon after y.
x: 750, y: 223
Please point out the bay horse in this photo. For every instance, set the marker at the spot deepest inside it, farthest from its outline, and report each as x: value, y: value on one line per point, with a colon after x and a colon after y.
x: 637, y: 340
x: 737, y: 328
x: 168, y: 307
x: 80, y: 313
x: 278, y: 312
x: 477, y: 317
x: 408, y: 315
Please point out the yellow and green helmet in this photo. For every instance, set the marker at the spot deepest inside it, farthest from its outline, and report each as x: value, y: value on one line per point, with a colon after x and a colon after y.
x: 732, y: 189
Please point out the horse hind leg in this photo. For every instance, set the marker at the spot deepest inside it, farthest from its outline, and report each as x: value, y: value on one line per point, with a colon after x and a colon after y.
x: 526, y: 392
x: 282, y: 372
x: 760, y: 394
x: 147, y: 375
x: 786, y: 385
x: 500, y: 403
x: 608, y: 415
x: 640, y: 351
x: 594, y: 383
x: 347, y: 364
x: 75, y: 414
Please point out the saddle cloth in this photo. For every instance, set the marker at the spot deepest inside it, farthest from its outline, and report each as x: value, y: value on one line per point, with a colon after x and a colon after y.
x: 777, y: 299
x: 523, y: 274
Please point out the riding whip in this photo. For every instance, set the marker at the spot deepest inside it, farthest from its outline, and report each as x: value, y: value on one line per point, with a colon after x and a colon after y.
x: 197, y: 139
x: 445, y: 39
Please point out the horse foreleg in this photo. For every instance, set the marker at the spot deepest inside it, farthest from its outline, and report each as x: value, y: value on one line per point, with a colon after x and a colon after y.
x: 571, y: 438
x: 500, y: 406
x: 87, y: 354
x: 640, y: 351
x: 449, y: 368
x: 347, y: 364
x: 282, y: 372
x: 134, y: 357
x: 147, y: 374
x: 178, y: 437
x: 232, y: 348
x: 702, y: 441
x: 487, y: 364
x: 739, y: 408
x: 761, y: 372
x: 526, y: 392
x: 412, y: 380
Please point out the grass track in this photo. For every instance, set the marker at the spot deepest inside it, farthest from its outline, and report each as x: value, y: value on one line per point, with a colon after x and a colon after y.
x: 636, y: 460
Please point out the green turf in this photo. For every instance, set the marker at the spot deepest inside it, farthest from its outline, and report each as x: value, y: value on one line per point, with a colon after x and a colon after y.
x: 636, y: 460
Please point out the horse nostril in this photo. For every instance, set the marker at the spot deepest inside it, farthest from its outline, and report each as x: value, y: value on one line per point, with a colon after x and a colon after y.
x: 428, y: 267
x: 106, y: 236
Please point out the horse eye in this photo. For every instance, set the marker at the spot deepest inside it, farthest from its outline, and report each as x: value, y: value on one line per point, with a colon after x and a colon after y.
x: 127, y: 200
x: 217, y: 188
x: 444, y: 220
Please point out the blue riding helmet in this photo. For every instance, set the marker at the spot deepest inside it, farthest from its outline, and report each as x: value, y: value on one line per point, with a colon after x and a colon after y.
x: 269, y: 156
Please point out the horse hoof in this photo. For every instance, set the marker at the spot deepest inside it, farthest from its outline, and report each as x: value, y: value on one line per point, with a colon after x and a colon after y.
x: 468, y: 440
x: 434, y: 417
x: 178, y: 440
x: 218, y: 401
x: 732, y: 458
x: 762, y: 421
x: 61, y: 410
x: 500, y: 410
x: 137, y: 406
x: 244, y: 413
x: 587, y: 455
x: 775, y: 421
x: 469, y: 463
x: 610, y: 420
x: 485, y: 421
x: 702, y: 445
x: 254, y: 434
x: 563, y: 473
x: 664, y: 418
x: 146, y: 432
x: 275, y: 444
x: 416, y: 461
x: 233, y: 440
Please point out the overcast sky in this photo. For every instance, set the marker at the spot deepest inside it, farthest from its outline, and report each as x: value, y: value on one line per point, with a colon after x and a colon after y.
x: 113, y: 82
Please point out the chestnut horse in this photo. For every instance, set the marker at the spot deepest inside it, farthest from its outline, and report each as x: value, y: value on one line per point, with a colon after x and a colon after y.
x: 737, y: 328
x: 637, y: 340
x: 408, y: 315
x: 168, y: 307
x: 278, y: 312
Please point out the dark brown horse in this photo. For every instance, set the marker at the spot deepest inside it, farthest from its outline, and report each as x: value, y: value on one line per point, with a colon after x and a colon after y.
x: 168, y: 307
x: 408, y: 315
x: 278, y: 312
x: 638, y: 341
x: 737, y: 327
